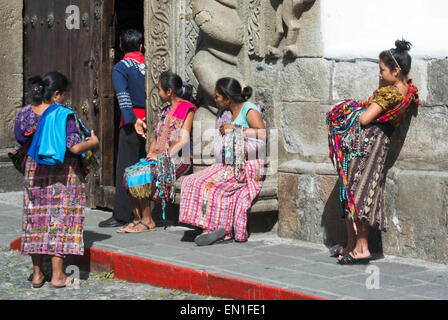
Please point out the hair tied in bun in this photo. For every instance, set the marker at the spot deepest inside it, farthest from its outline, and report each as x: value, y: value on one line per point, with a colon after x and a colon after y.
x: 403, y: 45
x: 38, y: 89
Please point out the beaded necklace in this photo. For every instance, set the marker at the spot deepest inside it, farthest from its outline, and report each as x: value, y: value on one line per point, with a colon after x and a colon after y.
x: 166, y: 176
x: 234, y: 151
x: 344, y: 137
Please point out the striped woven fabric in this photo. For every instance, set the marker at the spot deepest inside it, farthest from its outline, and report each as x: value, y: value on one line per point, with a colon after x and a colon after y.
x: 213, y: 198
x: 412, y: 98
x: 53, y: 211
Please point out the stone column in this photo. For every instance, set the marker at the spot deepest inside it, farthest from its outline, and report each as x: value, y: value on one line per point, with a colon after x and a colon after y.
x: 11, y: 61
x: 11, y: 88
x: 159, y: 45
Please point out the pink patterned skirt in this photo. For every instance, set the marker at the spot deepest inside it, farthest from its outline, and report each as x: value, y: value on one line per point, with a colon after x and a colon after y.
x: 53, y: 209
x: 213, y: 198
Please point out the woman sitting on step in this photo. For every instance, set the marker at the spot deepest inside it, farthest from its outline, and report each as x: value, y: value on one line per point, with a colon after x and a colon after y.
x: 217, y: 198
x: 170, y: 150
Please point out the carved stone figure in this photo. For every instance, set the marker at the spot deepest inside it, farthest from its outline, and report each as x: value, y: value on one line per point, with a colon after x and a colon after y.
x: 218, y: 55
x: 288, y: 14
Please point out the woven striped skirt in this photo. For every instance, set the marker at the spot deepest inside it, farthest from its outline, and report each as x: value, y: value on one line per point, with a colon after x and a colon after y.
x: 53, y: 209
x: 366, y: 178
x: 213, y: 198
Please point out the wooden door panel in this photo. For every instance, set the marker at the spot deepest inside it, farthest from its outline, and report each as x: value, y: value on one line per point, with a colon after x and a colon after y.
x: 40, y: 39
x: 106, y: 95
x: 83, y: 56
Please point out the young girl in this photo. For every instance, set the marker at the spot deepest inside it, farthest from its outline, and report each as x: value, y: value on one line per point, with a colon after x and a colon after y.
x: 171, y: 135
x: 362, y: 131
x: 217, y: 199
x: 54, y: 198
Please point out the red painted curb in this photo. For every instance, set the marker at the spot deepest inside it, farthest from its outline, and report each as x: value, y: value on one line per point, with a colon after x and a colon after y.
x: 16, y: 244
x: 137, y: 269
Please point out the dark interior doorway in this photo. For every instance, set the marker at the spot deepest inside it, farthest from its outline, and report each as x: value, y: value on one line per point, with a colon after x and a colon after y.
x: 128, y: 15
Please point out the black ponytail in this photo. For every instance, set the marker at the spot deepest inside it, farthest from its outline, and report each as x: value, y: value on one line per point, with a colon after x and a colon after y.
x: 399, y: 55
x: 230, y: 87
x: 170, y: 80
x: 42, y: 89
x: 37, y: 89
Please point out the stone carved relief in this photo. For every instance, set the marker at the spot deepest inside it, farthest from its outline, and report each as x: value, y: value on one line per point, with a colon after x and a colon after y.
x: 191, y: 42
x: 159, y: 47
x: 254, y: 30
x: 217, y: 56
x: 288, y: 14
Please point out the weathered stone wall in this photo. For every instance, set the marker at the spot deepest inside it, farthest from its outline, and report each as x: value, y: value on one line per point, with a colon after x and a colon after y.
x: 11, y: 68
x: 11, y: 87
x: 298, y: 85
x: 416, y: 193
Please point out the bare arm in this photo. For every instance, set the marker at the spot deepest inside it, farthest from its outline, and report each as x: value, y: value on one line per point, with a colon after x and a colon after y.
x: 151, y: 156
x: 372, y: 113
x: 91, y: 143
x: 152, y: 145
x: 184, y: 135
x: 257, y: 128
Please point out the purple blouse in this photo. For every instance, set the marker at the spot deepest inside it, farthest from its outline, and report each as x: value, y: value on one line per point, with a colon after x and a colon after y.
x: 26, y: 124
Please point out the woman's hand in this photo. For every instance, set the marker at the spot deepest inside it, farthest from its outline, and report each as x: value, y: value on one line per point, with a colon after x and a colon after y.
x: 225, y: 128
x: 152, y: 156
x: 91, y: 143
x: 93, y: 139
x: 140, y: 127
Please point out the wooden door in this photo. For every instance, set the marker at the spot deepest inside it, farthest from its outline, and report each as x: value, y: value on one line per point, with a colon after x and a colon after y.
x: 76, y: 37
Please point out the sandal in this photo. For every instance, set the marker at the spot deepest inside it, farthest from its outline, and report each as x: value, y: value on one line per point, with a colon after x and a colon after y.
x: 147, y: 228
x: 225, y: 241
x: 206, y: 239
x: 40, y: 285
x: 348, y: 259
x: 73, y: 283
x: 122, y: 229
x: 335, y: 251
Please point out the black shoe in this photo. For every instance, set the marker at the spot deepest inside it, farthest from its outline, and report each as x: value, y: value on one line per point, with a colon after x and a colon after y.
x: 207, y: 239
x: 111, y: 223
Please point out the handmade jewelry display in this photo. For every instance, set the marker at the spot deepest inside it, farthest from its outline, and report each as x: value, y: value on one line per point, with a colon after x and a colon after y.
x: 234, y: 150
x: 345, y: 141
x: 166, y: 177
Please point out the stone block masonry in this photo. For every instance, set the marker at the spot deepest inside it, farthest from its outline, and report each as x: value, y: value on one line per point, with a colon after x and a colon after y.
x: 297, y: 88
x: 11, y: 75
x: 416, y: 184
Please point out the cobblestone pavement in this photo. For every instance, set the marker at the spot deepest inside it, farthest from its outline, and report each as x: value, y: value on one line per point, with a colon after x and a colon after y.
x: 14, y: 285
